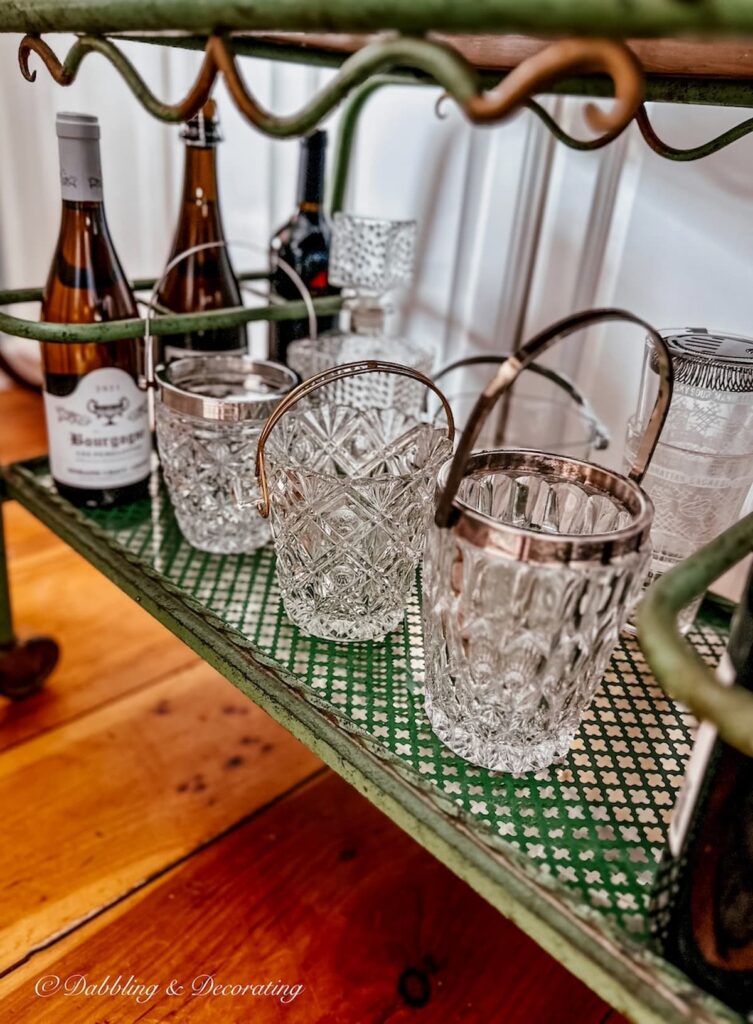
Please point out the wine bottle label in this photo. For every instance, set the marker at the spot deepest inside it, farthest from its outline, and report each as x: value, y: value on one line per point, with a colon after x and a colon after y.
x: 99, y: 434
x: 80, y: 170
x: 705, y: 740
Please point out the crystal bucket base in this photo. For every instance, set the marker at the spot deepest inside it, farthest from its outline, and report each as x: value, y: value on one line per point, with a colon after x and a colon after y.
x: 464, y: 737
x: 313, y: 619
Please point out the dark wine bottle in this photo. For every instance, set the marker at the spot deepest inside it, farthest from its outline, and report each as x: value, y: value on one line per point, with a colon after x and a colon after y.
x: 204, y: 279
x: 303, y: 243
x: 97, y: 418
x: 708, y: 927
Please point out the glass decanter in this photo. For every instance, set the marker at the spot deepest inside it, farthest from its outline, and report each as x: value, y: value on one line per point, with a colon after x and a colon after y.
x: 370, y: 258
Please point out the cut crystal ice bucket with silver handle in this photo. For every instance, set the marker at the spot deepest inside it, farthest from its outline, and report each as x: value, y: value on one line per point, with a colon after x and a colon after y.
x: 351, y: 493
x: 209, y: 413
x: 531, y: 569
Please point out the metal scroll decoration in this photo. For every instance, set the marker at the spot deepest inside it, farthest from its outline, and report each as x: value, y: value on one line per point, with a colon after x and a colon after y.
x: 440, y: 62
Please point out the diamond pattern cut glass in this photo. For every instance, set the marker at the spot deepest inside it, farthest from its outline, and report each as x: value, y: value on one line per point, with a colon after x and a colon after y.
x: 370, y: 257
x: 351, y: 493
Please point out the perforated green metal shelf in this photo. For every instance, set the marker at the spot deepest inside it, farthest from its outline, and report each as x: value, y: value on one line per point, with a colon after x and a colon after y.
x: 571, y: 854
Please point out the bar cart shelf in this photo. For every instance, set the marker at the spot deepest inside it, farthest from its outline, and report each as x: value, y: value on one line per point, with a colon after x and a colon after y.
x: 571, y: 854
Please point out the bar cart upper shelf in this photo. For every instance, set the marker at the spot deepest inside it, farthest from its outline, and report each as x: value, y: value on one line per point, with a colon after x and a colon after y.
x: 570, y: 854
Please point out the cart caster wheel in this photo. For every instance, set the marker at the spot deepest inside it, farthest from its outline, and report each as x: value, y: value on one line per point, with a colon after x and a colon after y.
x: 25, y: 666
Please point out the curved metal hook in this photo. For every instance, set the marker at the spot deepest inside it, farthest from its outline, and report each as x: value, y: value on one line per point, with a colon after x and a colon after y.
x: 439, y: 107
x: 695, y: 152
x: 61, y: 73
x: 65, y: 74
x: 442, y: 63
x: 551, y: 63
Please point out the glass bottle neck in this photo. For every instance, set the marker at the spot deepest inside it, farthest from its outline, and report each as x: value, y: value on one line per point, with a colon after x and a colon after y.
x: 311, y: 176
x: 80, y: 170
x: 366, y: 314
x: 200, y: 177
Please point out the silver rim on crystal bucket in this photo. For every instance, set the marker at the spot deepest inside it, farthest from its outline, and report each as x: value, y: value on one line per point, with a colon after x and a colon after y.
x: 180, y: 385
x: 524, y: 545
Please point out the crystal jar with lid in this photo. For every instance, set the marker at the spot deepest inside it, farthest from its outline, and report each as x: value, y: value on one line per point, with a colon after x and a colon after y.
x: 702, y: 469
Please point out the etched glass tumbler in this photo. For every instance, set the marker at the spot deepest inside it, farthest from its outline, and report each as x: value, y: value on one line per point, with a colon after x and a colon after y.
x: 351, y: 493
x: 702, y: 469
x: 531, y: 568
x: 209, y: 413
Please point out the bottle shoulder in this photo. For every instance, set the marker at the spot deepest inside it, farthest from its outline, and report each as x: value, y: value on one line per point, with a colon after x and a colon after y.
x: 302, y: 224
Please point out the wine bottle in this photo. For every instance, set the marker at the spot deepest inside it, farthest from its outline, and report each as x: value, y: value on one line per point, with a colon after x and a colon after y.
x: 708, y: 926
x: 303, y: 243
x: 205, y: 279
x: 97, y: 418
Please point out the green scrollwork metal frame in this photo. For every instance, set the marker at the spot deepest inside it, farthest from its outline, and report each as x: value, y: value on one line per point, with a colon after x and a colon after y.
x: 678, y: 668
x: 437, y: 61
x: 397, y: 59
x: 169, y: 323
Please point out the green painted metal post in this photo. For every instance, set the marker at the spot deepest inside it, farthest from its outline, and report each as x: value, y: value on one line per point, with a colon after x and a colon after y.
x: 347, y: 130
x: 678, y: 668
x: 23, y: 666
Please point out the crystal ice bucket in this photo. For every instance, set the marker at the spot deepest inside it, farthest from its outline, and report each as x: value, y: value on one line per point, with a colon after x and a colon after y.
x: 209, y: 413
x: 351, y: 492
x: 531, y: 568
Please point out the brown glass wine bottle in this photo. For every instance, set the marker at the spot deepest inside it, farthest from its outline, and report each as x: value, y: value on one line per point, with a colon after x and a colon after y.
x: 707, y: 928
x: 205, y: 279
x: 97, y: 418
x: 304, y: 244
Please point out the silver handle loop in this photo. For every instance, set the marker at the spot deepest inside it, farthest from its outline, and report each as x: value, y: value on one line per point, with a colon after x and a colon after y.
x: 319, y: 380
x: 601, y: 433
x: 515, y: 364
x: 224, y: 244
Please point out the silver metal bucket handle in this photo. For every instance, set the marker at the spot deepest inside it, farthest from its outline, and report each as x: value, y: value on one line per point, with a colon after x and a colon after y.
x: 319, y: 380
x: 601, y: 433
x: 224, y: 244
x: 513, y: 366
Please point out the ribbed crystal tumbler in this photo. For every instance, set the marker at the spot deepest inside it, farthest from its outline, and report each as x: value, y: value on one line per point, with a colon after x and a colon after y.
x: 532, y: 566
x: 516, y: 649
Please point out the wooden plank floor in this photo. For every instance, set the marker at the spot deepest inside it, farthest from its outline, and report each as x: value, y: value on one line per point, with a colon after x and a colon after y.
x: 158, y: 828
